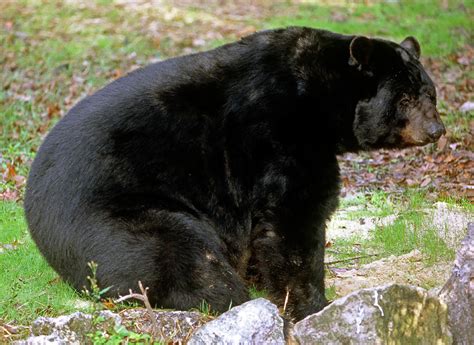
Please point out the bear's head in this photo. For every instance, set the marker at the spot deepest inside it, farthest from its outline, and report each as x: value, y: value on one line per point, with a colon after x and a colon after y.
x: 398, y: 107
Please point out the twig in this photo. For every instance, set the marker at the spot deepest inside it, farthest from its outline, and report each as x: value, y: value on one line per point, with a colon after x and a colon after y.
x: 144, y: 298
x: 350, y: 259
x: 286, y: 299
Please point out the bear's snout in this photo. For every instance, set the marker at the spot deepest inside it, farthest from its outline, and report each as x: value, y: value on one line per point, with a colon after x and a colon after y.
x: 432, y: 124
x: 424, y: 124
x: 436, y: 130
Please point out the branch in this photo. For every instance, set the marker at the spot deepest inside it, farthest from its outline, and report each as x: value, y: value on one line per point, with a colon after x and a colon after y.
x: 144, y: 298
x: 350, y: 259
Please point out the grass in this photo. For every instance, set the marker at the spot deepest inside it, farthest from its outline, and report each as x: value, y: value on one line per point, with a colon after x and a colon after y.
x: 255, y: 293
x: 411, y: 230
x: 120, y: 335
x: 433, y: 26
x: 377, y: 204
x: 28, y: 286
x: 331, y: 293
x: 459, y: 124
x: 57, y: 52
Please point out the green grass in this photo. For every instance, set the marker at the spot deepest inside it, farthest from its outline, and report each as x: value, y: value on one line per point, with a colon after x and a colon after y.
x: 346, y: 249
x: 28, y: 286
x: 255, y: 293
x: 411, y: 230
x: 120, y: 335
x: 433, y: 26
x: 57, y: 53
x: 377, y: 204
x: 459, y: 124
x: 330, y: 293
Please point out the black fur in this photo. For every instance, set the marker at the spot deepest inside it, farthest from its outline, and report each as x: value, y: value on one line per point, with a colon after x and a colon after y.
x: 203, y: 172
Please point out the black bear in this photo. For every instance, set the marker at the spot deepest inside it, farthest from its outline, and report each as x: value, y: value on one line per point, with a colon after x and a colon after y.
x: 202, y: 173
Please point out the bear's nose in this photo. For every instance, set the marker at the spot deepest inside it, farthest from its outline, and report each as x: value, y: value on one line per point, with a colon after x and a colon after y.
x: 435, y: 130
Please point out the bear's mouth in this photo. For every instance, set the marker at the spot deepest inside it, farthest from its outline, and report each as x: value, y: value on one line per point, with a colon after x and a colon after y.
x: 410, y: 142
x: 416, y: 137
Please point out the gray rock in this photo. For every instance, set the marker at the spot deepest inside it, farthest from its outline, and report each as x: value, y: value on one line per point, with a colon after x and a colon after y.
x: 69, y: 329
x: 392, y: 314
x: 467, y: 107
x: 458, y: 293
x: 254, y: 322
x: 450, y: 222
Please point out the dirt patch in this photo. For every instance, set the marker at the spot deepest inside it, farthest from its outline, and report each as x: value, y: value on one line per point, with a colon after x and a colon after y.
x: 342, y: 226
x: 408, y: 269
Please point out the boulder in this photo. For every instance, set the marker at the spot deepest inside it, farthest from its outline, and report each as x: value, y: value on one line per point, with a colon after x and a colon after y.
x: 392, y: 314
x: 450, y: 223
x: 458, y: 292
x: 70, y: 329
x: 254, y: 322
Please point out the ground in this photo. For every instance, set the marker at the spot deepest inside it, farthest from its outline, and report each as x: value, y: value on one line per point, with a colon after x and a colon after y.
x: 58, y: 52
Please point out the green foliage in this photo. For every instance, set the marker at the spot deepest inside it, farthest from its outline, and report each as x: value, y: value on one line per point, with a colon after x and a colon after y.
x: 42, y: 75
x: 458, y: 124
x: 95, y: 293
x: 330, y: 293
x: 381, y: 202
x: 206, y: 309
x: 255, y: 293
x: 411, y: 230
x: 431, y: 24
x: 28, y: 286
x: 120, y: 335
x: 399, y: 237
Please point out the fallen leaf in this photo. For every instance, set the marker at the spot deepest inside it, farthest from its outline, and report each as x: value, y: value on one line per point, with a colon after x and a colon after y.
x: 425, y: 182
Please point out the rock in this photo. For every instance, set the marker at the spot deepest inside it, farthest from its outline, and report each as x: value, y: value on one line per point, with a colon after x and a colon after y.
x: 458, y: 293
x: 254, y: 322
x: 392, y: 314
x: 172, y: 326
x: 450, y: 222
x: 467, y: 107
x: 70, y: 329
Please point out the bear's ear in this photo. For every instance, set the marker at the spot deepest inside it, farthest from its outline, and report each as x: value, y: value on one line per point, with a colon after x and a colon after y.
x: 360, y: 50
x: 411, y: 44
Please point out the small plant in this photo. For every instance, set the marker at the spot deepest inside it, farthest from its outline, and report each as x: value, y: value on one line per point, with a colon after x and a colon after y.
x: 94, y: 293
x: 204, y: 308
x: 381, y: 201
x: 331, y: 293
x: 255, y: 293
x: 119, y: 335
